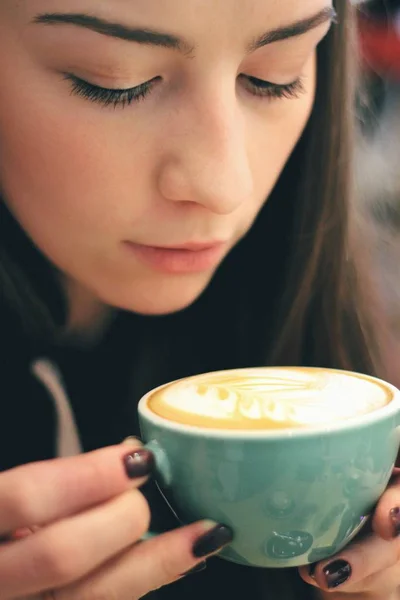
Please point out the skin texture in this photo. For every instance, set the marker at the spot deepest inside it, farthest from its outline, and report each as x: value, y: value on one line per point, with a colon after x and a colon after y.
x: 193, y: 162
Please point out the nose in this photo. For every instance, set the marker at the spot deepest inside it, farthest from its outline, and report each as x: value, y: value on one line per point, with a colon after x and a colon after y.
x: 206, y: 161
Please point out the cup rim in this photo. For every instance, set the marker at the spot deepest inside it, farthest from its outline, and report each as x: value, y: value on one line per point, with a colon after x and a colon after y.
x: 392, y: 409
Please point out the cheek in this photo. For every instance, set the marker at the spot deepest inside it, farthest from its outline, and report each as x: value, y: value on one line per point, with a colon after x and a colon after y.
x: 65, y: 174
x: 277, y: 132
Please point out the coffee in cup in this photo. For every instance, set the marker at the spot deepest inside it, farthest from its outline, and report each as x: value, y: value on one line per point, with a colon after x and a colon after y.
x: 265, y: 399
x: 293, y: 459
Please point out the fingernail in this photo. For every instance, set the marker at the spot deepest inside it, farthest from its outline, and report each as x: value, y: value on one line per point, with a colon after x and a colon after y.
x: 197, y: 569
x: 312, y: 569
x: 139, y: 463
x: 131, y: 441
x: 214, y: 540
x: 337, y: 573
x: 395, y: 518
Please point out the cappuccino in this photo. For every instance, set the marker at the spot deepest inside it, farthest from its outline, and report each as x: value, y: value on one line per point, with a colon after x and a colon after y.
x: 269, y: 398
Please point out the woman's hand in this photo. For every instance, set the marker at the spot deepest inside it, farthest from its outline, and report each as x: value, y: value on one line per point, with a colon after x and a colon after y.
x: 87, y: 517
x: 370, y: 567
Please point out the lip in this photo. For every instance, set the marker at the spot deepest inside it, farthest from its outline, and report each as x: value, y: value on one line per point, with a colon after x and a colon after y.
x: 191, y: 257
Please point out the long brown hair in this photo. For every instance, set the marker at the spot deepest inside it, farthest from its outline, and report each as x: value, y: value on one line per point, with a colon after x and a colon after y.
x: 288, y: 294
x: 324, y: 303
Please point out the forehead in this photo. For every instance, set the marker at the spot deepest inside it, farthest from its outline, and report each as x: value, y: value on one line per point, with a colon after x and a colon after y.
x: 195, y: 15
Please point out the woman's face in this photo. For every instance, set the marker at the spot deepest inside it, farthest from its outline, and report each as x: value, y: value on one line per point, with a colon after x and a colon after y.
x: 141, y: 138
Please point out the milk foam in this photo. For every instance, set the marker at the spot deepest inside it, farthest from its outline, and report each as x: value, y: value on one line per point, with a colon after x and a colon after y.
x: 282, y: 396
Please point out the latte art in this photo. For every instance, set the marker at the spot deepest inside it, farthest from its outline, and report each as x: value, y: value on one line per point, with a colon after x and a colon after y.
x: 268, y: 398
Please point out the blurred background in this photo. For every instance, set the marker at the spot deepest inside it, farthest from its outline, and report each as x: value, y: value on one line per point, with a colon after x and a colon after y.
x: 378, y: 153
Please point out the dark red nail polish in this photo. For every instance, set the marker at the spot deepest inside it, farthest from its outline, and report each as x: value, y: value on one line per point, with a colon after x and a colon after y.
x: 139, y: 463
x: 212, y: 541
x: 337, y: 573
x: 395, y: 519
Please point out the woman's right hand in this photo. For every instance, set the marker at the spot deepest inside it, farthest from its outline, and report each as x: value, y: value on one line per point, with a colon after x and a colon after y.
x: 88, y: 517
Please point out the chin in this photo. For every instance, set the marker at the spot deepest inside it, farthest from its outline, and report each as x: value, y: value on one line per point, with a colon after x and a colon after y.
x: 158, y: 309
x: 166, y: 298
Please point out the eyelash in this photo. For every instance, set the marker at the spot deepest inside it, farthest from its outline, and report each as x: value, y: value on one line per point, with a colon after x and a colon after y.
x: 125, y: 97
x: 109, y: 97
x: 275, y: 91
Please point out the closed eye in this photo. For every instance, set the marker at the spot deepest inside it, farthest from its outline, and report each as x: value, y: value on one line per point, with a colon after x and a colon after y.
x: 125, y: 97
x: 108, y: 96
x: 269, y: 90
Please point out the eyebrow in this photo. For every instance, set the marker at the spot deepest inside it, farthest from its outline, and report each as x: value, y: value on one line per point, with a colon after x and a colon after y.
x: 165, y: 40
x: 326, y: 15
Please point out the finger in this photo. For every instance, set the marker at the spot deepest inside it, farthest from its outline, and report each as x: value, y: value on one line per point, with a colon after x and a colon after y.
x: 40, y: 493
x: 70, y: 549
x: 386, y: 521
x: 383, y: 585
x: 359, y: 562
x: 153, y: 564
x: 379, y: 586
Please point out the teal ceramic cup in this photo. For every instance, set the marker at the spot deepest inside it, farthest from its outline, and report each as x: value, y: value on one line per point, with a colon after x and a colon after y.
x: 291, y: 496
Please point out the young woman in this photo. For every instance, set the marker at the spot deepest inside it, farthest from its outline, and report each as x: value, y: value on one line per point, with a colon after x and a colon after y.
x: 139, y: 142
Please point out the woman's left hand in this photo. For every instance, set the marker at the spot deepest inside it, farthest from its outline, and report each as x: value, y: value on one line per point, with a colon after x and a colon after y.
x: 370, y: 567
